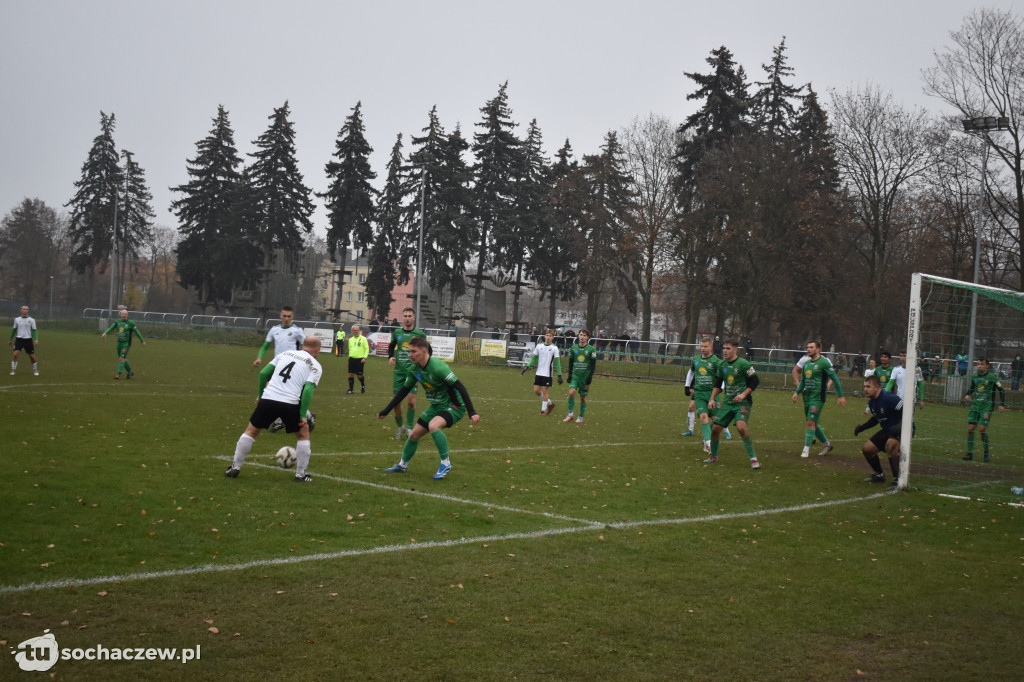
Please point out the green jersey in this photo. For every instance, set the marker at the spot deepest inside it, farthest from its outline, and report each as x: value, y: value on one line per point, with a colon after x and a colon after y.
x: 814, y: 376
x: 582, y: 361
x: 703, y: 375
x: 982, y: 391
x: 438, y: 379
x: 736, y: 374
x: 884, y: 374
x: 125, y: 329
x: 400, y: 343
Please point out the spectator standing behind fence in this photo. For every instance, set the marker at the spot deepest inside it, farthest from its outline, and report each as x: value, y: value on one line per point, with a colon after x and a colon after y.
x: 716, y: 347
x: 1016, y: 372
x: 961, y: 363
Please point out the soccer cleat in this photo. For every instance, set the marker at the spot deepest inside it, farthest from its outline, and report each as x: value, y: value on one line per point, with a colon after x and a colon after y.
x: 276, y: 426
x: 400, y: 433
x: 711, y: 460
x: 543, y: 412
x: 895, y: 484
x: 875, y: 478
x: 304, y: 478
x: 129, y: 375
x: 568, y: 418
x: 579, y: 420
x: 968, y: 458
x: 551, y: 407
x: 349, y: 391
x: 805, y: 453
x: 310, y: 420
x: 362, y: 389
x: 397, y: 469
x: 688, y: 432
x: 36, y: 372
x: 442, y: 471
x: 754, y: 464
x: 827, y: 449
x: 116, y: 377
x: 232, y: 472
x: 728, y: 436
x: 12, y: 372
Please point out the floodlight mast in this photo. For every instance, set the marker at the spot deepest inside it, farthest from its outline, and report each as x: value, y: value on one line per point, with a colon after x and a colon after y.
x: 981, y: 126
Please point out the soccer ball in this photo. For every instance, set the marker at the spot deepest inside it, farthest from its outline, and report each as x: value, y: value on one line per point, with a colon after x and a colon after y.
x: 286, y: 457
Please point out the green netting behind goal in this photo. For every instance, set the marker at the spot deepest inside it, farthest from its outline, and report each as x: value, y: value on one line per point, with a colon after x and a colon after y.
x: 939, y: 344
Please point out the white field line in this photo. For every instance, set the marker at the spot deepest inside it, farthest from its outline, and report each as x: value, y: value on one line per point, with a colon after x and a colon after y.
x: 328, y: 556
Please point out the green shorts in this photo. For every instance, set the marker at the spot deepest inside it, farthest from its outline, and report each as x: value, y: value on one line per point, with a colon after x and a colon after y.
x: 700, y: 403
x: 122, y: 350
x: 812, y: 410
x: 977, y: 416
x: 398, y: 381
x: 452, y: 414
x: 729, y: 412
x: 579, y: 383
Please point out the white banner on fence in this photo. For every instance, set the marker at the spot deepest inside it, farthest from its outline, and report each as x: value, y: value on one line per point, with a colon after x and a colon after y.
x: 519, y: 353
x: 379, y: 342
x: 326, y: 336
x: 493, y: 348
x: 443, y: 347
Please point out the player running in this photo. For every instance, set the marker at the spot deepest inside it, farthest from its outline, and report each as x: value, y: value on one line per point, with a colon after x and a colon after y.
x: 981, y: 393
x: 125, y: 328
x: 582, y: 363
x: 548, y: 362
x: 449, y: 402
x: 284, y: 336
x: 286, y: 388
x: 700, y: 381
x: 740, y: 380
x: 398, y: 358
x: 815, y: 373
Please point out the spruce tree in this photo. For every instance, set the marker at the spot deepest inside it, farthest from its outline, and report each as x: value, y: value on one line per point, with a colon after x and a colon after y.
x: 498, y: 166
x: 281, y: 200
x: 207, y: 253
x: 95, y: 202
x: 390, y: 253
x: 772, y: 105
x: 136, y: 216
x: 350, y: 196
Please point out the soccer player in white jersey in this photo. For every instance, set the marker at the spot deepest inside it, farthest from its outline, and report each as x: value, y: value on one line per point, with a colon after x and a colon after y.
x: 285, y: 392
x: 284, y: 336
x: 545, y: 357
x: 898, y: 380
x: 24, y: 336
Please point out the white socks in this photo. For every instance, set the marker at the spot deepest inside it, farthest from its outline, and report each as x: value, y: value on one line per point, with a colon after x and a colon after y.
x: 242, y: 448
x: 689, y: 421
x: 303, y: 450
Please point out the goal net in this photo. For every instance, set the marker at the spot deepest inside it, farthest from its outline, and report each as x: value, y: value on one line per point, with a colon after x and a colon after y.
x: 952, y: 325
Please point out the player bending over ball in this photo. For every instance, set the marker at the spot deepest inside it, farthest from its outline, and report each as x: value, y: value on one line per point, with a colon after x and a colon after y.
x: 582, y: 363
x: 286, y: 388
x: 125, y: 328
x: 548, y: 362
x: 739, y: 379
x: 449, y: 402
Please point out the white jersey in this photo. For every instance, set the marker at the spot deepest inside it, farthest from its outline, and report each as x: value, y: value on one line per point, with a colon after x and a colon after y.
x: 545, y: 359
x: 285, y: 339
x: 292, y: 369
x: 803, y: 361
x: 899, y: 375
x: 25, y: 327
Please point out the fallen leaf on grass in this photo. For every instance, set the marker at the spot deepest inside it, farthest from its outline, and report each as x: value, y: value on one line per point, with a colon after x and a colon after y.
x: 214, y: 631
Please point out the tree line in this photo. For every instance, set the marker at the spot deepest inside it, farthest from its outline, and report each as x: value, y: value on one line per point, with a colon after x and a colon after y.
x: 767, y: 212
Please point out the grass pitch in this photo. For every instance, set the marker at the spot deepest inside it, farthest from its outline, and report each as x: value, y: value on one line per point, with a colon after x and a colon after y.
x: 606, y: 550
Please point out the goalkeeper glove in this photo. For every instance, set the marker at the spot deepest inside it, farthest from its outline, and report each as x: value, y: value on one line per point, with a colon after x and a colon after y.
x: 523, y: 372
x: 559, y: 379
x: 858, y: 428
x: 687, y: 390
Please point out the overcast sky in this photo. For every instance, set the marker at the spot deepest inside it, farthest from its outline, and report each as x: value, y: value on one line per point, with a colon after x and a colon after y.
x: 579, y: 68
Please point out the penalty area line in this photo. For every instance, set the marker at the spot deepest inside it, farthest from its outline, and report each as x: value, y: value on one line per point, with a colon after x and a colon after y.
x: 430, y: 544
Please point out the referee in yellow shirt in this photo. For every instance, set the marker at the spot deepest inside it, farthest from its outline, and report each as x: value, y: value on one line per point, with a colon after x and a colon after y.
x: 358, y: 349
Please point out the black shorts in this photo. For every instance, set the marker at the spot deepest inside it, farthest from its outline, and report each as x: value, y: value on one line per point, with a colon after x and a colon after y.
x: 881, y: 437
x: 355, y: 365
x: 541, y: 381
x: 269, y: 411
x: 27, y: 345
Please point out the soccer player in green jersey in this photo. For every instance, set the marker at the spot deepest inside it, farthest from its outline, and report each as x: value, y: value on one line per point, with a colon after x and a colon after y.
x: 398, y: 358
x: 815, y: 373
x: 884, y: 370
x: 700, y: 381
x: 740, y: 380
x: 981, y: 393
x: 449, y: 402
x: 125, y: 329
x: 582, y: 363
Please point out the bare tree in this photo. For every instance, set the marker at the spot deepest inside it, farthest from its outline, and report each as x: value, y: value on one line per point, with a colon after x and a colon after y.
x: 980, y: 74
x: 882, y: 151
x: 649, y: 146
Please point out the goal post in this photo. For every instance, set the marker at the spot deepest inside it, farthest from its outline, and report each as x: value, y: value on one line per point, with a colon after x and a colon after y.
x: 951, y: 325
